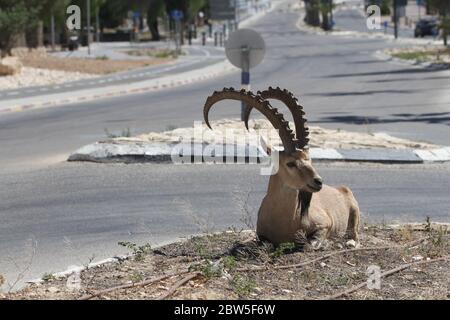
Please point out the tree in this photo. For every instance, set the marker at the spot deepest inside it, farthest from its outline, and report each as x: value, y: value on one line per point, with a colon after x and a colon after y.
x: 112, y: 13
x: 155, y: 10
x: 442, y: 7
x: 312, y: 8
x: 325, y: 10
x: 15, y: 16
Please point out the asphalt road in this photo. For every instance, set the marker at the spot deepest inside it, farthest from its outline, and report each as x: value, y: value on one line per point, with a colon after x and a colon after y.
x: 77, y: 210
x: 354, y: 19
x: 196, y: 57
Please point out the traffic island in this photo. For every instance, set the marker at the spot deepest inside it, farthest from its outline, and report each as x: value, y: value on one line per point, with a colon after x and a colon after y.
x: 391, y: 262
x: 198, y: 144
x: 434, y: 57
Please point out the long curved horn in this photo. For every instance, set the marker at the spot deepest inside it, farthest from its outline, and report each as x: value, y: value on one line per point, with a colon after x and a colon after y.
x: 263, y: 106
x: 285, y: 96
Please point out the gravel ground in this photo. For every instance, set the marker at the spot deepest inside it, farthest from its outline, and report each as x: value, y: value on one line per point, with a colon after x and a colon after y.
x: 40, y: 69
x: 30, y: 77
x: 413, y: 262
x: 320, y: 137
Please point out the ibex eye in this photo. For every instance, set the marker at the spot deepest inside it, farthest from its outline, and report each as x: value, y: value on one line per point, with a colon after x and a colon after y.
x: 290, y: 164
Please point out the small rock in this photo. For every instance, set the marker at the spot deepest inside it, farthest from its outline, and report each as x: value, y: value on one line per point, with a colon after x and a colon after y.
x: 53, y: 290
x: 351, y: 244
x: 350, y: 264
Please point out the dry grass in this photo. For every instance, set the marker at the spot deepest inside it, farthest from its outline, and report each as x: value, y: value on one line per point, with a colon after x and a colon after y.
x: 92, y: 66
x: 440, y: 55
x: 234, y: 265
x: 6, y: 70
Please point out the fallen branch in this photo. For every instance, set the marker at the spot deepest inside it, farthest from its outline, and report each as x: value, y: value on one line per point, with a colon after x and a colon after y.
x: 385, y: 274
x: 302, y: 264
x: 131, y: 285
x: 178, y: 284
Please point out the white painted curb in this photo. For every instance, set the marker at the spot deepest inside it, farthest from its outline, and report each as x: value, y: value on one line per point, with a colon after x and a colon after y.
x: 138, y: 152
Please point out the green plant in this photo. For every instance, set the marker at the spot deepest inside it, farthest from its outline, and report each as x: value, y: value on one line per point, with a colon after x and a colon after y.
x: 243, y: 285
x: 136, y: 277
x: 229, y: 262
x: 428, y: 224
x: 283, y: 248
x: 209, y: 270
x: 48, y: 277
x: 126, y: 133
x: 201, y: 248
x: 139, y: 252
x: 104, y: 57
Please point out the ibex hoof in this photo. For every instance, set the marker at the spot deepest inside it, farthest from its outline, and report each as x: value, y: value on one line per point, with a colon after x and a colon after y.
x: 316, y: 244
x: 352, y: 244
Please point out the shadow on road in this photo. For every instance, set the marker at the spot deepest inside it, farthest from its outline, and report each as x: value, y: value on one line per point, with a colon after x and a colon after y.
x: 431, y: 118
x: 359, y: 93
x: 381, y: 73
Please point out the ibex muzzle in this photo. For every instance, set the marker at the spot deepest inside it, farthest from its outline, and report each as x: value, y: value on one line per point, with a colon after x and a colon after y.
x: 296, y: 200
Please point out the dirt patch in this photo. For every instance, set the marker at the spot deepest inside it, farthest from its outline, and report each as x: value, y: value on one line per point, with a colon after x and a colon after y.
x: 320, y: 137
x: 152, y: 52
x: 413, y: 261
x: 98, y: 66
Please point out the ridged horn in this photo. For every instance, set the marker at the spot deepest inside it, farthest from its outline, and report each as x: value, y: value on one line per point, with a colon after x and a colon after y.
x: 285, y: 96
x: 254, y: 101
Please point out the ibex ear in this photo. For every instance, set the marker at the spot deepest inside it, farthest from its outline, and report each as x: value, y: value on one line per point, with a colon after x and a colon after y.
x: 306, y: 151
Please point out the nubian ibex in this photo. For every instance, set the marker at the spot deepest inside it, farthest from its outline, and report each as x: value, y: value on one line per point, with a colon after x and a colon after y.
x: 296, y: 200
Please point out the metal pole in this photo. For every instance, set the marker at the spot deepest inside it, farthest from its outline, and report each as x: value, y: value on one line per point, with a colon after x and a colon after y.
x: 88, y: 17
x: 52, y: 26
x: 245, y: 76
x: 177, y: 36
x: 331, y: 13
x: 97, y: 25
x: 395, y: 20
x: 418, y: 7
x: 236, y: 16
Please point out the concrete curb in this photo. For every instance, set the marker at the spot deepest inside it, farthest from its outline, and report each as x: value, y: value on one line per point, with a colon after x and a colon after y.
x: 138, y: 152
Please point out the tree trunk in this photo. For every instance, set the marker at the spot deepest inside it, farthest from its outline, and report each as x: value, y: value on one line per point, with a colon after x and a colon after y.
x: 154, y: 30
x: 312, y: 12
x: 325, y: 20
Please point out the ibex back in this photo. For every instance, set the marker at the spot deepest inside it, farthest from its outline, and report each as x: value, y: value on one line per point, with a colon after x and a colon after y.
x: 297, y: 201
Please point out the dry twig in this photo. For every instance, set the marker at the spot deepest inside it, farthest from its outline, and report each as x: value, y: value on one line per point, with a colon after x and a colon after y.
x: 328, y: 255
x: 131, y: 285
x: 178, y: 284
x: 385, y: 274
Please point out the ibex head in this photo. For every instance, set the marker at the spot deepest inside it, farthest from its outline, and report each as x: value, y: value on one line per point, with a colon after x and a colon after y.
x: 295, y: 168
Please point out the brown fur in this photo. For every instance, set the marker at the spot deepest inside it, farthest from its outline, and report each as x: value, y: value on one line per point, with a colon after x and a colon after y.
x: 333, y: 211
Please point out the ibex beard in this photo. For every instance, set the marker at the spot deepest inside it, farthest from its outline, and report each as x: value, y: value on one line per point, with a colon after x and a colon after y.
x: 297, y: 201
